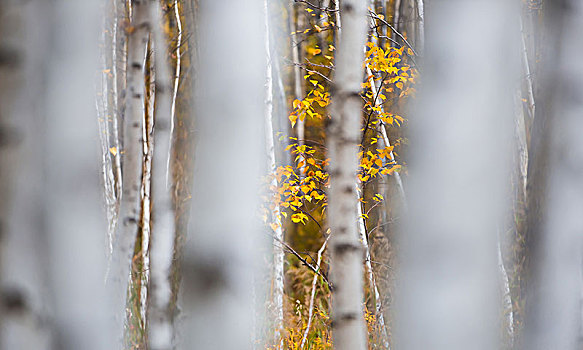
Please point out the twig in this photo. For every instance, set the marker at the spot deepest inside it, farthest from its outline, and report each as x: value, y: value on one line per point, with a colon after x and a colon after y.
x: 375, y: 16
x: 303, y: 261
x: 315, y: 7
x: 313, y: 294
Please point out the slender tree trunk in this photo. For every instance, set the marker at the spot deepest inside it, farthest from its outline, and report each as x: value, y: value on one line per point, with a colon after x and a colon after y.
x: 278, y: 255
x: 420, y: 42
x: 447, y: 294
x: 224, y: 237
x: 553, y: 304
x: 297, y: 51
x: 162, y: 242
x: 343, y: 133
x: 71, y: 194
x: 370, y: 272
x: 132, y: 153
x: 24, y: 296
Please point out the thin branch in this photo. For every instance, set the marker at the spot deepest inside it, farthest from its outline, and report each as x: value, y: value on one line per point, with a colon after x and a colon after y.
x: 316, y: 7
x: 313, y: 294
x: 316, y: 270
x: 375, y: 16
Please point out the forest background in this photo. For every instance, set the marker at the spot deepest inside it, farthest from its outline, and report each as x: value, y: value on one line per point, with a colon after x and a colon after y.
x: 308, y: 174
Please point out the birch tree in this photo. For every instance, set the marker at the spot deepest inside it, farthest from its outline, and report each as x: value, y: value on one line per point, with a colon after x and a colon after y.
x: 220, y: 251
x: 74, y: 224
x: 162, y: 242
x: 24, y: 308
x: 132, y: 153
x: 278, y: 255
x: 343, y: 133
x: 447, y: 294
x: 553, y: 304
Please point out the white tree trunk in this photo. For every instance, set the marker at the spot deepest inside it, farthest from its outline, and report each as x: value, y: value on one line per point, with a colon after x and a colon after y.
x: 447, y: 291
x: 278, y: 254
x: 555, y: 312
x: 24, y: 296
x: 162, y: 235
x: 420, y: 43
x: 343, y: 134
x: 370, y: 272
x: 220, y: 253
x: 527, y: 73
x: 132, y: 155
x: 71, y: 190
x: 296, y: 50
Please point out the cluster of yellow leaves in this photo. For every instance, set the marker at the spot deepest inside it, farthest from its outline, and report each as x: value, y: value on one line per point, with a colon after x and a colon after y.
x: 312, y: 105
x: 373, y: 163
x: 398, y: 75
x: 294, y: 191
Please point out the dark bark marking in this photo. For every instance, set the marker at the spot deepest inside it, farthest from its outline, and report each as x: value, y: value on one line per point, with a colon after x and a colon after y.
x: 13, y: 300
x: 344, y: 248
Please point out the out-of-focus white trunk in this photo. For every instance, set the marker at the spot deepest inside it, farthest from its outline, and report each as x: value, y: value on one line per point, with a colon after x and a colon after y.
x: 278, y: 255
x: 343, y: 132
x: 447, y: 291
x: 555, y: 312
x: 24, y: 298
x: 73, y: 213
x: 220, y: 252
x: 160, y: 322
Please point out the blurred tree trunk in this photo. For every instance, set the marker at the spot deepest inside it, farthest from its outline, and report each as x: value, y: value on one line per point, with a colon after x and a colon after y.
x: 24, y: 296
x: 448, y: 292
x: 278, y: 255
x: 556, y: 196
x: 160, y: 315
x: 219, y: 257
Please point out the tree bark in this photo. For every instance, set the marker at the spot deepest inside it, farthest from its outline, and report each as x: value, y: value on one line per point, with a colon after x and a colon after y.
x: 162, y: 238
x: 74, y: 225
x: 224, y: 236
x: 553, y: 304
x: 343, y: 133
x: 278, y: 254
x: 448, y: 291
x: 24, y: 296
x: 129, y: 217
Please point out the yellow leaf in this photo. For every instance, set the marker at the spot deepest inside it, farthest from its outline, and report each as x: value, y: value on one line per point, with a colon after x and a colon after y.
x: 113, y: 150
x: 313, y: 51
x: 399, y: 85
